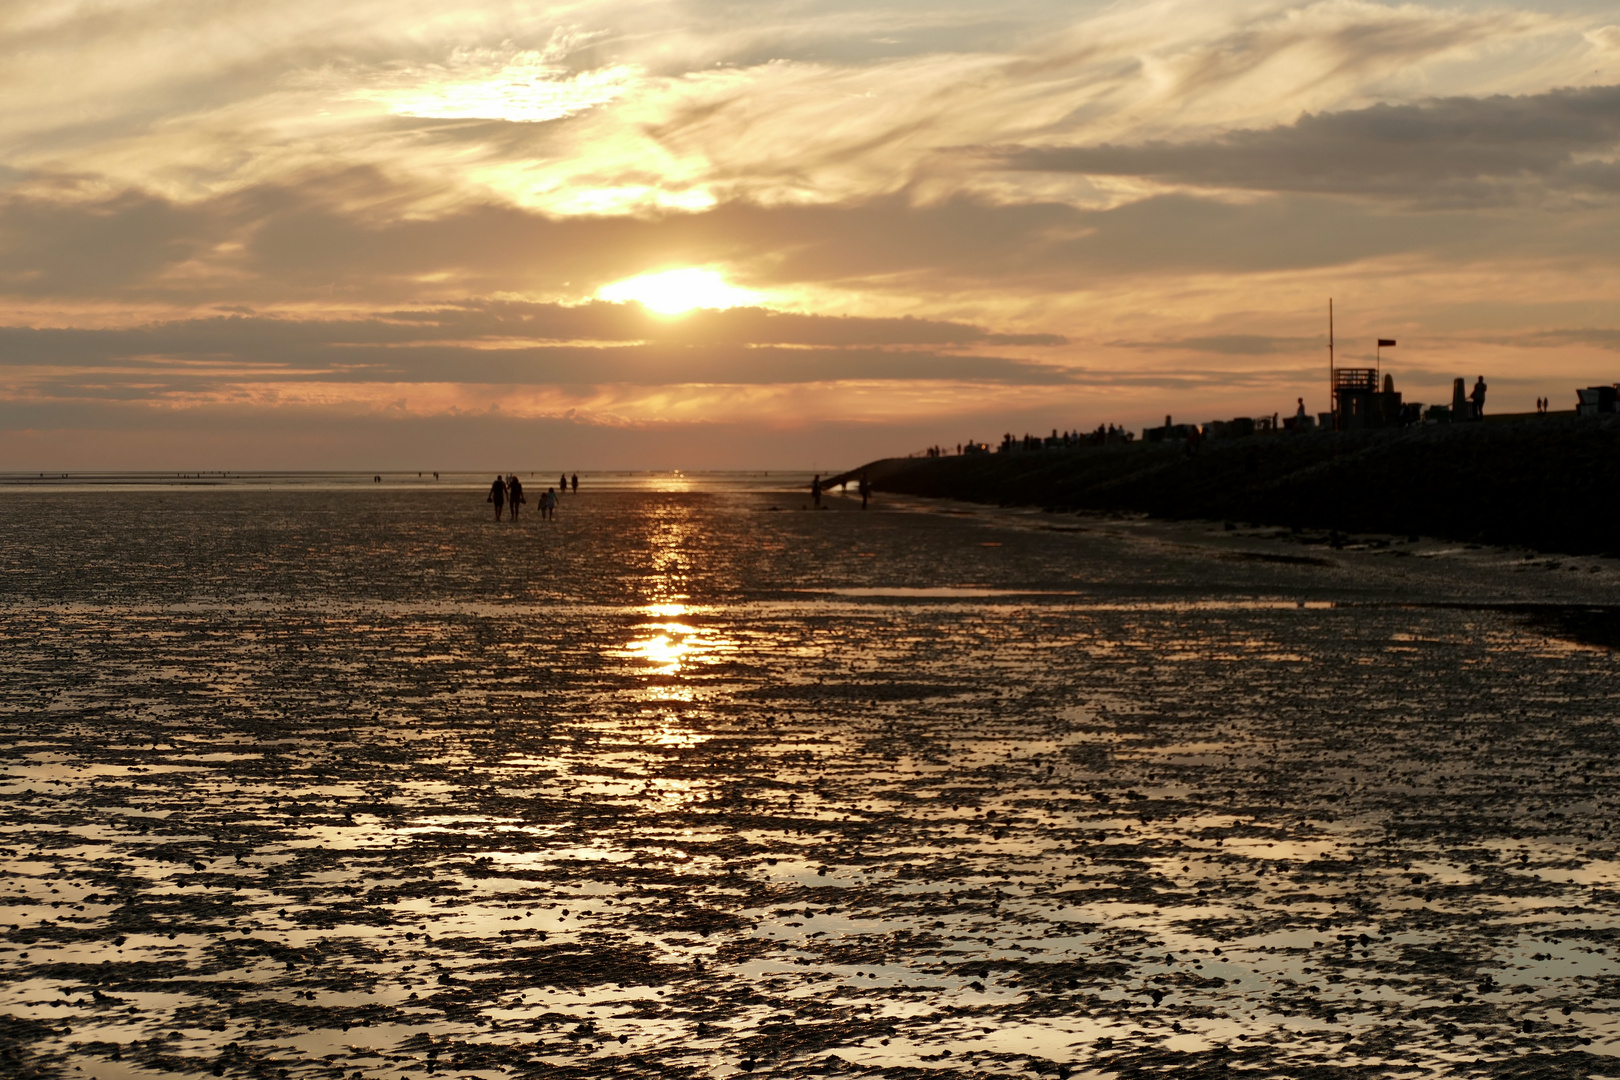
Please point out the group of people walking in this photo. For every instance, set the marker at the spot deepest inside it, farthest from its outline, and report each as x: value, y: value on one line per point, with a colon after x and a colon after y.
x: 507, y: 493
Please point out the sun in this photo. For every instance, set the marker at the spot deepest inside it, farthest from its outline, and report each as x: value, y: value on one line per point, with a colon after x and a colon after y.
x: 673, y: 291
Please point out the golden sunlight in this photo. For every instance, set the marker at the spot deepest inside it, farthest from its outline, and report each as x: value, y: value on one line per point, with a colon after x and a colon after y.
x: 672, y: 292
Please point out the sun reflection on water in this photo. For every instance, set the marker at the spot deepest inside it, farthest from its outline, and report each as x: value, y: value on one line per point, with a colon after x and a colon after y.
x: 672, y: 648
x: 671, y: 732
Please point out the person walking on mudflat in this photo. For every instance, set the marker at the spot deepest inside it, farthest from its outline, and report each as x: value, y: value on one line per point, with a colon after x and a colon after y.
x: 1478, y: 397
x: 514, y: 494
x: 815, y: 491
x: 497, y: 495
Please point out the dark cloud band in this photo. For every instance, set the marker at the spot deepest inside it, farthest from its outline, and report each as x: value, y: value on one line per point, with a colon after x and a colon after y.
x: 1464, y: 148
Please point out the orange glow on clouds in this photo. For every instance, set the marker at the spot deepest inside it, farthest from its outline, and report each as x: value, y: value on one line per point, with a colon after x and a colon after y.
x: 1096, y: 213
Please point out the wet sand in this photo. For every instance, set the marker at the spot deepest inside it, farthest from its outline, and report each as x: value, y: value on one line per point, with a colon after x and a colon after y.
x: 364, y: 785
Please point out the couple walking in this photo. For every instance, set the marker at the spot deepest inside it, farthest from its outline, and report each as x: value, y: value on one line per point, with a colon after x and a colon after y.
x: 508, y: 492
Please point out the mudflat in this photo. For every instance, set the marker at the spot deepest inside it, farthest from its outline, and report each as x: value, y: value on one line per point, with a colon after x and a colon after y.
x: 362, y: 784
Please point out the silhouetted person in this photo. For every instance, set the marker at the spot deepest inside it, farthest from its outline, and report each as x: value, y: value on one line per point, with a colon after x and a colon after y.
x: 552, y: 498
x: 562, y: 482
x: 1478, y: 397
x: 866, y: 490
x: 514, y: 494
x: 1300, y: 416
x: 815, y: 491
x: 497, y: 495
x: 576, y: 483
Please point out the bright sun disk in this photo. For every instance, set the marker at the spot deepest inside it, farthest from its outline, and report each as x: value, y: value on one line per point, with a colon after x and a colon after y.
x: 674, y: 291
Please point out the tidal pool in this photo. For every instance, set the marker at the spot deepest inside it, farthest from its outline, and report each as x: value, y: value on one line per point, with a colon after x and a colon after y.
x: 354, y: 784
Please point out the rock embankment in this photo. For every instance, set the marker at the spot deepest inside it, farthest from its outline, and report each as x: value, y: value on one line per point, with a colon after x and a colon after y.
x: 1549, y: 483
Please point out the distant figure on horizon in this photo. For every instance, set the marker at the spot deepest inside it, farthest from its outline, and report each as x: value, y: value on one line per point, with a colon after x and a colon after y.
x: 514, y: 494
x: 1478, y: 396
x: 562, y: 482
x: 866, y: 490
x: 815, y: 491
x: 576, y: 483
x: 497, y: 495
x: 1300, y: 416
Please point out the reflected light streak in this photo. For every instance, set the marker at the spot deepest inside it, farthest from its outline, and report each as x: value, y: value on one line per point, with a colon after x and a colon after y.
x: 673, y: 648
x: 671, y: 732
x: 662, y: 651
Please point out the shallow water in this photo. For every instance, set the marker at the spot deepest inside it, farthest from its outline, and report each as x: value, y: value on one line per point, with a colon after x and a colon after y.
x: 344, y: 783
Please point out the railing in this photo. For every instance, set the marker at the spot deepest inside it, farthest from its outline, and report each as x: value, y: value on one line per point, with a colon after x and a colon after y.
x: 1354, y: 378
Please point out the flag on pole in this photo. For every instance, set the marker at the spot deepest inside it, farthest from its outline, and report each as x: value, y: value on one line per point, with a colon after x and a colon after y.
x: 1384, y: 342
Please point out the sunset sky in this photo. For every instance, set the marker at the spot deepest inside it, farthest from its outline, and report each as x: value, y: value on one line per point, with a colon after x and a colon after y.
x: 425, y: 234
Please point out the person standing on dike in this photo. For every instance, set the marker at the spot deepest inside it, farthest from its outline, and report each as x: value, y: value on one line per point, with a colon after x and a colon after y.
x: 1478, y: 397
x: 497, y: 495
x: 514, y: 494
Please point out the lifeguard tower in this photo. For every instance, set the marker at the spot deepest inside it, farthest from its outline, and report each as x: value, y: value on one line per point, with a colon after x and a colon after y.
x: 1359, y: 401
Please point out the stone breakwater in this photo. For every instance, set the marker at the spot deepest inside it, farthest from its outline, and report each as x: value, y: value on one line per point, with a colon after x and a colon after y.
x: 1546, y: 483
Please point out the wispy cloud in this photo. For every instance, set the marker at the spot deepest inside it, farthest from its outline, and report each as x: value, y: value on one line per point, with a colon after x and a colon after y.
x: 1077, y: 206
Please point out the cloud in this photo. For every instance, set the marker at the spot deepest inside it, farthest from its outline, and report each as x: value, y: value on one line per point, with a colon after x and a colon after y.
x: 1230, y: 344
x: 1460, y: 148
x: 603, y: 321
x: 414, y: 198
x: 524, y: 85
x: 473, y: 345
x: 337, y: 242
x: 1601, y: 337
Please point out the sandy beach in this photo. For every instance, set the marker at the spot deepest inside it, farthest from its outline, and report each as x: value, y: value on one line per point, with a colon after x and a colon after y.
x: 362, y: 785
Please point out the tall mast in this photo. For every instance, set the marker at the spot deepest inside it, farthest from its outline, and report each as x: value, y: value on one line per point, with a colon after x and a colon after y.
x: 1333, y: 408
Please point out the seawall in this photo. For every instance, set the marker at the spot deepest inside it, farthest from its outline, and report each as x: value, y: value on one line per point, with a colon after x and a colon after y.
x: 1550, y: 483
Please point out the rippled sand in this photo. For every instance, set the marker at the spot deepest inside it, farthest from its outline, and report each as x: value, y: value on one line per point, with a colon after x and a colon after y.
x: 364, y: 785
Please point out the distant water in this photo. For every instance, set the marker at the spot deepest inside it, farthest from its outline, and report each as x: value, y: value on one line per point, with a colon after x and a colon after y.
x: 613, y: 480
x: 319, y: 777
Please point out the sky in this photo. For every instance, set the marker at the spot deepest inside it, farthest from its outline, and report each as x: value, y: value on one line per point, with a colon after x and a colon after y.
x: 424, y: 234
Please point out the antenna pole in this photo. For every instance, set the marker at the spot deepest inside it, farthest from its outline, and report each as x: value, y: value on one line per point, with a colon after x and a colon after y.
x: 1333, y: 407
